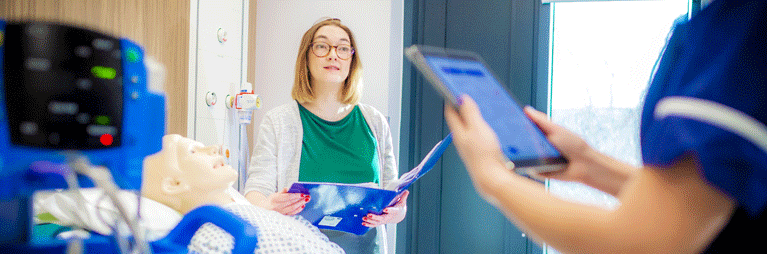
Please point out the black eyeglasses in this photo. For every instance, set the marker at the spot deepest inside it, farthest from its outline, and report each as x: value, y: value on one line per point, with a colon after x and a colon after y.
x: 321, y: 49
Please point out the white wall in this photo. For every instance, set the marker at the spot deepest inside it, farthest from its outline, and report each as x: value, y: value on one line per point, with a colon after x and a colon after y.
x: 377, y: 28
x: 219, y: 67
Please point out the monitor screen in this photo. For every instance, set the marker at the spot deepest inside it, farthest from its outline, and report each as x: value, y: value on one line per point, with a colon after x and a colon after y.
x: 63, y: 87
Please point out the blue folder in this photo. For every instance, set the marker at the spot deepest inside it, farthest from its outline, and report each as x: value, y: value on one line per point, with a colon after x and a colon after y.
x: 341, y: 207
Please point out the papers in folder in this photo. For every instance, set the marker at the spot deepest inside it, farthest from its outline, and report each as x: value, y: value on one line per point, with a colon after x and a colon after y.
x: 341, y: 207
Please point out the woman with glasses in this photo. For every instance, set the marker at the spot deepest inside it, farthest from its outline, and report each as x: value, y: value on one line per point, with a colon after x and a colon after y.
x: 325, y: 135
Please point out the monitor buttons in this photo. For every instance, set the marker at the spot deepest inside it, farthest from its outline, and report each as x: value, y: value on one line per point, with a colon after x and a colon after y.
x: 28, y: 128
x: 84, y: 83
x: 38, y: 31
x: 83, y: 51
x: 102, y: 44
x: 38, y: 64
x: 63, y: 108
x: 83, y: 118
x: 98, y: 130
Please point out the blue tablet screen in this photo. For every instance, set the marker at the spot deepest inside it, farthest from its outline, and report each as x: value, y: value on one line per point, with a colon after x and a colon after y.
x: 520, y: 139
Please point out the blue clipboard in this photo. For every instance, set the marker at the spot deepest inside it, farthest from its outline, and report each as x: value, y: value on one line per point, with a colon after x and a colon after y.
x: 341, y: 207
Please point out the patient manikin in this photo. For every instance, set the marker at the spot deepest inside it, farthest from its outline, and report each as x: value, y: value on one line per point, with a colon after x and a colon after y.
x: 185, y: 175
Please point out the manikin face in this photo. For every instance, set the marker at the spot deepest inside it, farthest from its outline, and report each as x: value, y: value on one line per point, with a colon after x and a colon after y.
x: 330, y: 68
x: 202, y: 167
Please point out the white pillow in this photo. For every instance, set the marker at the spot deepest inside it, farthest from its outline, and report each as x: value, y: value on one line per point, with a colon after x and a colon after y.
x: 83, y: 212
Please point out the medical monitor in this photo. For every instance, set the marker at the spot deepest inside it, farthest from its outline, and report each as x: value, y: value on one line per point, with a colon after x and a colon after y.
x: 68, y: 91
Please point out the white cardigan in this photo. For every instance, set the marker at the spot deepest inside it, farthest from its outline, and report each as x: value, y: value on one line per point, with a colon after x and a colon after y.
x: 276, y: 157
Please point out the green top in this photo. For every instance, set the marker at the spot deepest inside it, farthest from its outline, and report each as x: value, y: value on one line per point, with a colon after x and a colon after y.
x: 338, y: 152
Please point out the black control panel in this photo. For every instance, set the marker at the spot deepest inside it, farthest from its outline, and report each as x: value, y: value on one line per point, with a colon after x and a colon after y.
x: 63, y: 86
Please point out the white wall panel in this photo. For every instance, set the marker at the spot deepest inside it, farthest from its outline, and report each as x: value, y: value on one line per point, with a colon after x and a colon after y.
x: 217, y: 67
x: 226, y: 15
x: 215, y: 74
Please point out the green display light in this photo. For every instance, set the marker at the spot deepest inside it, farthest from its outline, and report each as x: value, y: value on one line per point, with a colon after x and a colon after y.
x: 133, y: 55
x: 104, y: 72
x: 102, y: 120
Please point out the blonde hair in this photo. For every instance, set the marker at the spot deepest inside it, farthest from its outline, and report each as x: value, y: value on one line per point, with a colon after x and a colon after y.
x: 302, y: 89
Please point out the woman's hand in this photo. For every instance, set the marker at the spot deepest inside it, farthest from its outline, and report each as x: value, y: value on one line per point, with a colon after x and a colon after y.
x: 392, y: 214
x: 287, y: 203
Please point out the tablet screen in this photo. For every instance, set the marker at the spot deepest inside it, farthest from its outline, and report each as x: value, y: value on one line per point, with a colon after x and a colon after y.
x: 520, y: 139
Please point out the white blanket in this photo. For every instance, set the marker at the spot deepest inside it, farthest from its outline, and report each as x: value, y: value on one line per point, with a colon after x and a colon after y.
x: 277, y: 233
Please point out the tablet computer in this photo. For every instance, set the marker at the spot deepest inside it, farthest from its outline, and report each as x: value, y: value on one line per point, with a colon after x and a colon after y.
x: 455, y: 72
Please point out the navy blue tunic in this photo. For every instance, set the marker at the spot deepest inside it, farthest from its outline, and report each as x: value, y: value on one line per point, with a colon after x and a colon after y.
x: 708, y: 99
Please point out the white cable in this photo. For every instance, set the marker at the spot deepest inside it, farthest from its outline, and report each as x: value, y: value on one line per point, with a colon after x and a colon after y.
x: 71, y: 179
x: 75, y: 245
x: 103, y: 178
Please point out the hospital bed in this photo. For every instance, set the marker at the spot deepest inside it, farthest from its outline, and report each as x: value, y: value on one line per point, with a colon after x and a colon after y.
x: 276, y: 233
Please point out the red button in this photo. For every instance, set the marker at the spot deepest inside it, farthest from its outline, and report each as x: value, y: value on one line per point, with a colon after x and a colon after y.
x: 106, y: 139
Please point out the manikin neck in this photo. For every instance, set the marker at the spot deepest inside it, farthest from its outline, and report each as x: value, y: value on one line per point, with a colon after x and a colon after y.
x: 194, y: 200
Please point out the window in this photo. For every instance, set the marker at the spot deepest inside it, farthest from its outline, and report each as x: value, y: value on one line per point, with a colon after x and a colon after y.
x: 602, y: 57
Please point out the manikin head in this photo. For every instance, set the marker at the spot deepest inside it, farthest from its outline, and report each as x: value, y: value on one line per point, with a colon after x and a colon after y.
x: 186, y: 174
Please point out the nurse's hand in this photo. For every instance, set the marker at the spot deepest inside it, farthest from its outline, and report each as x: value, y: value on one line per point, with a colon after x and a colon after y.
x: 572, y: 147
x: 586, y: 165
x: 477, y: 145
x: 287, y: 203
x: 392, y: 214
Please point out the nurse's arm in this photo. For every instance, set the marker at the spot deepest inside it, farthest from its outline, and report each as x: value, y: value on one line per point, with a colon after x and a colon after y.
x: 671, y: 210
